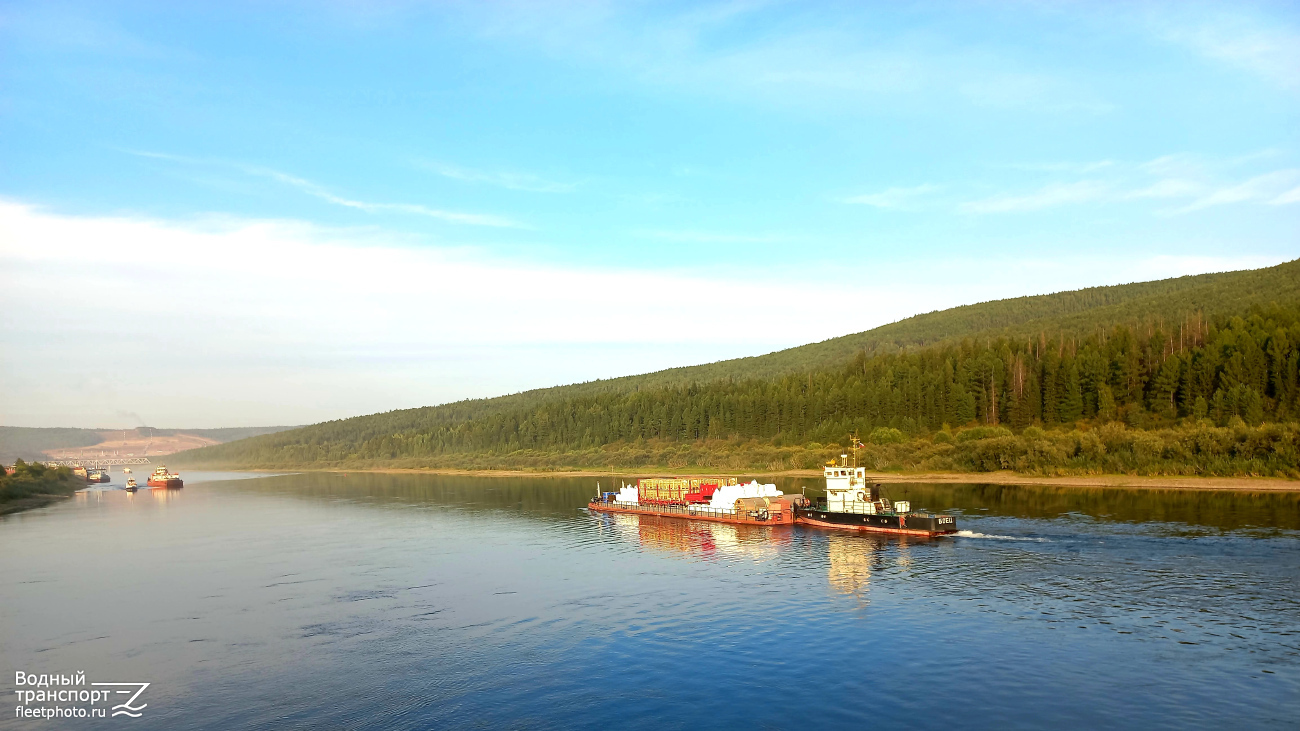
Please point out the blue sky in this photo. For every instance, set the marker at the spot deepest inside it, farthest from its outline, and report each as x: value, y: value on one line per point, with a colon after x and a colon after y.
x: 542, y: 193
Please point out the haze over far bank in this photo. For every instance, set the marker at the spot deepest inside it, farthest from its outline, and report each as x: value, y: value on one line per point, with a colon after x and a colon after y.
x: 208, y: 218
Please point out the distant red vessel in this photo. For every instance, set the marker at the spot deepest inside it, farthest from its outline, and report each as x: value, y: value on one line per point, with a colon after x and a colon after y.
x: 162, y: 479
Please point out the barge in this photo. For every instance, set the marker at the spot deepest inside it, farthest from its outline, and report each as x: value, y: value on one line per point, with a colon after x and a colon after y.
x: 851, y: 503
x: 717, y: 500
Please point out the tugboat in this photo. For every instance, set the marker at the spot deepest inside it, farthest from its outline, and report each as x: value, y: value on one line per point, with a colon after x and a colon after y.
x: 131, y: 486
x: 853, y: 503
x: 99, y: 476
x: 161, y: 479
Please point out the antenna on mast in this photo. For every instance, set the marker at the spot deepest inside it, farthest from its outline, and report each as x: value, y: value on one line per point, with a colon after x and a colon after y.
x: 855, y: 445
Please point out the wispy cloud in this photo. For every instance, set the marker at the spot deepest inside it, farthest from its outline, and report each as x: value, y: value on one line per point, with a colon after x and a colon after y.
x: 713, y: 237
x: 1267, y: 48
x: 1012, y: 90
x: 1208, y: 181
x: 313, y: 189
x: 1187, y: 164
x: 1190, y: 182
x: 167, y: 156
x: 1049, y: 196
x: 1291, y: 196
x: 808, y: 57
x: 61, y: 26
x: 510, y: 180
x: 1169, y: 188
x: 1267, y: 188
x: 1061, y: 167
x: 319, y: 191
x: 894, y: 198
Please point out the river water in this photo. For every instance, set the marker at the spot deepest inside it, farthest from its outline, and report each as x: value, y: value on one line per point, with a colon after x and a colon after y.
x: 411, y: 601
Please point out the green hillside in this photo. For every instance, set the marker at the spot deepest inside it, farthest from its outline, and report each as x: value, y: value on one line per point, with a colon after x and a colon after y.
x: 1078, y: 312
x: 1210, y: 351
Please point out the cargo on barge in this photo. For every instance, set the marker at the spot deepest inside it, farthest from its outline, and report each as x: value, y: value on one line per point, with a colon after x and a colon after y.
x: 718, y: 500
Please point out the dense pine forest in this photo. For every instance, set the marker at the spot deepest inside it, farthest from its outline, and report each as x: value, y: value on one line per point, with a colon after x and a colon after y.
x: 1197, y: 375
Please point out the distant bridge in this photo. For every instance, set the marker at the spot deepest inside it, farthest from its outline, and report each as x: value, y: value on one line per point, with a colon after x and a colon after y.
x: 97, y: 462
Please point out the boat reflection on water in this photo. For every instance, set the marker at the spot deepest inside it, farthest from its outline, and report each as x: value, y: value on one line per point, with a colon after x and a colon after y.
x: 163, y: 497
x: 852, y: 559
x: 700, y: 538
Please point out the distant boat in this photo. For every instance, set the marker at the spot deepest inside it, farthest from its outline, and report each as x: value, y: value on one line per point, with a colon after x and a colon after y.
x: 126, y: 470
x: 99, y: 476
x: 131, y: 486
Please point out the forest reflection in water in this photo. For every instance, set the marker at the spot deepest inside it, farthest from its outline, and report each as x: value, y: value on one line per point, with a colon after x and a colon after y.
x: 549, y: 497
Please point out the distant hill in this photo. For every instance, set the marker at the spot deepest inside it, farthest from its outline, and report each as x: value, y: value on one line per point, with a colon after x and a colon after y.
x: 32, y: 444
x: 1150, y: 353
x: 224, y: 434
x: 18, y: 442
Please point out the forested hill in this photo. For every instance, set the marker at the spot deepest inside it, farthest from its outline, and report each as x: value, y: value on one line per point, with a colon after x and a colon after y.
x: 1078, y: 312
x: 1153, y: 355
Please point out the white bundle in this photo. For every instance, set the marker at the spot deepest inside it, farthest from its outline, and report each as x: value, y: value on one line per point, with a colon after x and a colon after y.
x: 726, y: 496
x: 627, y: 494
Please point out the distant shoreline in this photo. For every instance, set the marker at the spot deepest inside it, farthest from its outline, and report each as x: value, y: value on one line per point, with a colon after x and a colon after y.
x: 1239, y: 484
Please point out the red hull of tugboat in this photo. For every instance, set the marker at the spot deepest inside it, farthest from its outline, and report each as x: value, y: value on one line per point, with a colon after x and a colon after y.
x: 783, y: 517
x: 166, y: 484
